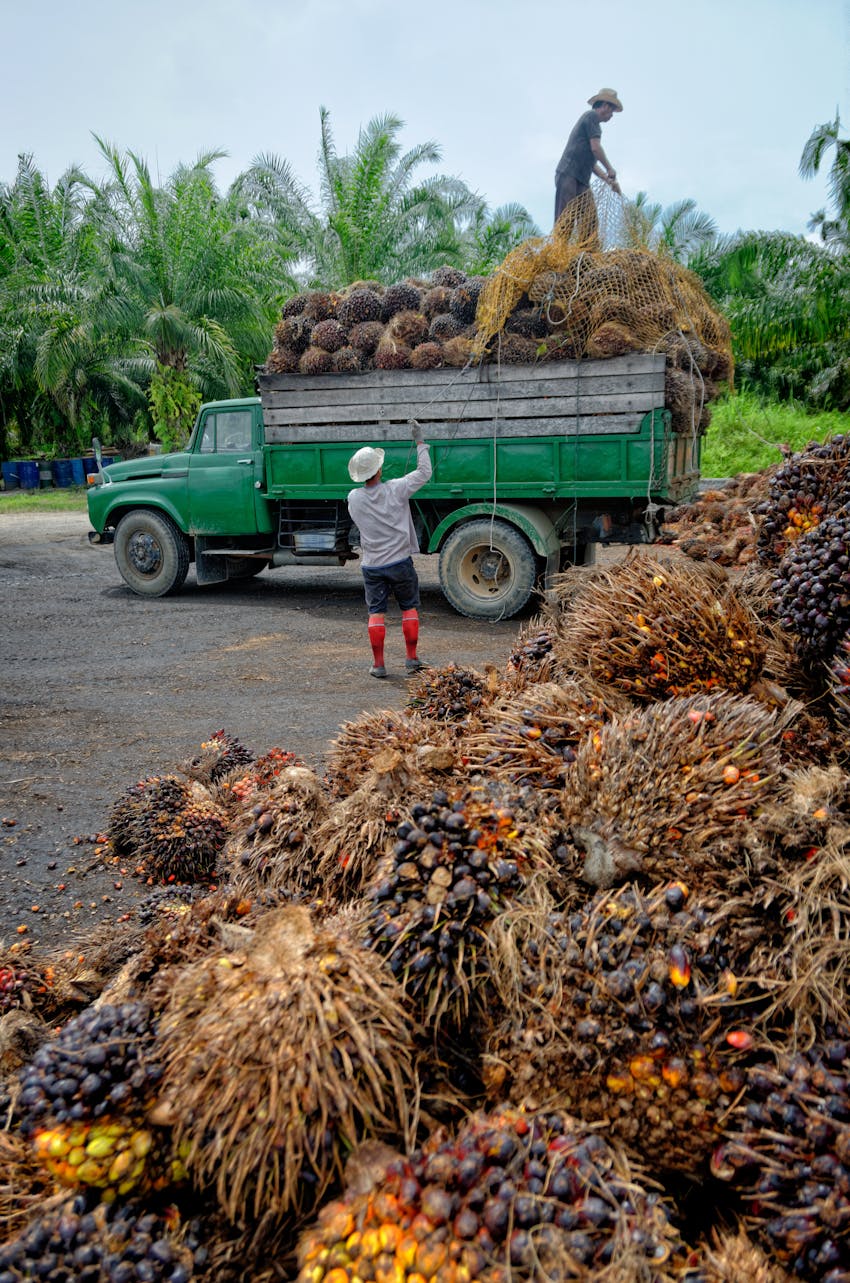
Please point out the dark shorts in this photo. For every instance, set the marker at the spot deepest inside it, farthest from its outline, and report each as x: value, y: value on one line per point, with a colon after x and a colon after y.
x: 400, y: 579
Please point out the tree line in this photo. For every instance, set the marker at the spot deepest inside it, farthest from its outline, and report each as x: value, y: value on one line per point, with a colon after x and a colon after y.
x: 125, y: 302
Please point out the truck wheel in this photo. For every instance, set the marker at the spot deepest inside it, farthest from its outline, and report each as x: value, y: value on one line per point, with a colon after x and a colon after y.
x: 487, y: 570
x: 151, y: 553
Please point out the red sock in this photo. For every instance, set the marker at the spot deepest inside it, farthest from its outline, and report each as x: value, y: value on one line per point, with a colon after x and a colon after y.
x: 377, y: 633
x: 410, y: 631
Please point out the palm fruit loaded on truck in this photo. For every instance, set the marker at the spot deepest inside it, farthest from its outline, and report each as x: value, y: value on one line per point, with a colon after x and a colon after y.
x: 532, y: 465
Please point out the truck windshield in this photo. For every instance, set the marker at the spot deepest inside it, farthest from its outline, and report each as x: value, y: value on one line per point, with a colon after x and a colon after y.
x: 226, y: 432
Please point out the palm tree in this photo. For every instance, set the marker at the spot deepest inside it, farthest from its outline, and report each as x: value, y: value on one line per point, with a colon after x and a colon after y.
x: 373, y: 220
x: 788, y: 303
x: 679, y: 231
x: 487, y: 236
x: 834, y: 230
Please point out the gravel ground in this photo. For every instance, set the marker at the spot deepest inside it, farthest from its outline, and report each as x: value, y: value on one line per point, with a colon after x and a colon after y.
x: 101, y: 688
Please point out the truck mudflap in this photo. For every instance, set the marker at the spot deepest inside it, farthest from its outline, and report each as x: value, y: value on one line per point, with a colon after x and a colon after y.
x: 99, y: 537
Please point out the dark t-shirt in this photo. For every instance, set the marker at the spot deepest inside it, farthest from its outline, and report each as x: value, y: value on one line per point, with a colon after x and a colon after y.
x: 578, y: 160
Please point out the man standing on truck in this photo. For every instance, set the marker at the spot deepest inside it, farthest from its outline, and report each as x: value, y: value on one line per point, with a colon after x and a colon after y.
x: 583, y: 156
x: 381, y: 512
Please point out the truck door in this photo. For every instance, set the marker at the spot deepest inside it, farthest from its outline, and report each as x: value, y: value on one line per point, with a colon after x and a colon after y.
x: 226, y: 463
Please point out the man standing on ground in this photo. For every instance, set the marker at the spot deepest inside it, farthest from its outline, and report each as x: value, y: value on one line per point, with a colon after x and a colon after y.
x: 381, y: 512
x: 583, y: 156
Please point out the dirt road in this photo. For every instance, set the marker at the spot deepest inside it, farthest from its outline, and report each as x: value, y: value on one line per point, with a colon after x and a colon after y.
x: 101, y: 688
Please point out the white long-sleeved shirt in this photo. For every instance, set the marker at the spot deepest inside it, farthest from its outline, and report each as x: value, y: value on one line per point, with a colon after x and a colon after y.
x: 383, y: 517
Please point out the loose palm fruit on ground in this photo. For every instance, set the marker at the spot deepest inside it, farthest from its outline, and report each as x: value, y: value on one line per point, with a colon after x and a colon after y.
x: 787, y: 1152
x: 811, y: 485
x: 655, y: 631
x: 812, y: 588
x: 510, y: 1196
x: 90, y: 1243
x: 457, y: 863
x: 639, y: 1010
x: 673, y: 790
x: 280, y: 1055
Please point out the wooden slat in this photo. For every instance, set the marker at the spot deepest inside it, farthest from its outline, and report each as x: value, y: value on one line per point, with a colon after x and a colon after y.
x: 460, y: 412
x: 468, y: 430
x: 477, y: 394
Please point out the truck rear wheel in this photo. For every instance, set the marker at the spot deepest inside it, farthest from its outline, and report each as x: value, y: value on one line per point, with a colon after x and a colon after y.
x: 151, y: 553
x: 487, y: 569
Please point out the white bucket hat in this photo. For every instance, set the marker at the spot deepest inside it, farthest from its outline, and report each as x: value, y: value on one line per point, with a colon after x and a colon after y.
x: 365, y: 463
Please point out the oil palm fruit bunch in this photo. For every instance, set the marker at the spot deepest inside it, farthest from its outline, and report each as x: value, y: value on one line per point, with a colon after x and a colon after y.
x: 293, y: 333
x: 408, y: 328
x: 282, y: 360
x: 667, y: 792
x: 171, y: 827
x: 457, y: 863
x: 443, y: 327
x: 315, y: 361
x: 448, y: 277
x: 346, y: 360
x: 357, y: 306
x: 812, y: 588
x: 427, y: 355
x: 167, y: 902
x: 655, y: 630
x: 639, y: 1009
x: 787, y: 1152
x: 294, y: 306
x: 731, y: 1256
x: 220, y: 754
x: 810, y: 485
x: 365, y: 337
x: 532, y: 737
x: 84, y: 1097
x: 320, y: 305
x: 449, y: 694
x: 510, y: 1196
x: 280, y: 1055
x: 98, y: 1243
x: 464, y: 299
x: 391, y: 354
x: 359, y: 829
x: 400, y: 298
x: 435, y: 301
x: 23, y: 980
x: 532, y: 657
x: 261, y: 774
x: 270, y: 844
x: 328, y: 335
x: 839, y: 683
x: 351, y: 753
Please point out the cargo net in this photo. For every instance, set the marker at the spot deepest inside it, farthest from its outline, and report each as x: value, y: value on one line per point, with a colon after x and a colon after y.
x: 600, y: 298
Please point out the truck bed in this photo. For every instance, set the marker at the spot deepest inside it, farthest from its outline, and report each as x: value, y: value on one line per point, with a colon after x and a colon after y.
x: 561, y: 430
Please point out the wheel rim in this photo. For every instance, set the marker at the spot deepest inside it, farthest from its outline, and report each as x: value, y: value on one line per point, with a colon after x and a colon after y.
x: 144, y: 553
x: 485, y: 572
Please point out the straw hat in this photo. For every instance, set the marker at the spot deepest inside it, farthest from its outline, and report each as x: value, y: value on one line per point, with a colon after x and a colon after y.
x: 365, y: 463
x: 607, y: 95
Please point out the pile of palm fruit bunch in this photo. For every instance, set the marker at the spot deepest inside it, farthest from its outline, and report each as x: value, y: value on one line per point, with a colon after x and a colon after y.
x: 554, y: 298
x: 719, y: 526
x: 545, y: 977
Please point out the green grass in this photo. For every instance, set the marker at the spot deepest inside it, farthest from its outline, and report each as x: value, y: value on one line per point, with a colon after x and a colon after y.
x: 68, y: 499
x: 745, y: 433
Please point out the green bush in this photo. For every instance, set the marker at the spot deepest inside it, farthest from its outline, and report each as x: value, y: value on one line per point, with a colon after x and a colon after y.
x: 745, y: 434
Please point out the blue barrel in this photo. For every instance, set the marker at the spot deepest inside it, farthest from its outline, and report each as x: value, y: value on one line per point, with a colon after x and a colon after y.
x: 28, y: 474
x: 11, y: 480
x: 89, y: 465
x: 61, y: 469
x: 78, y: 472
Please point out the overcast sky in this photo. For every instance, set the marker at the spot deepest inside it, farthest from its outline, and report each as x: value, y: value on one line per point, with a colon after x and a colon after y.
x: 719, y: 95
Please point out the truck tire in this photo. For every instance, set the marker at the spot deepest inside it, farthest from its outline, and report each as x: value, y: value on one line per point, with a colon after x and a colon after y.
x: 487, y: 569
x: 151, y: 553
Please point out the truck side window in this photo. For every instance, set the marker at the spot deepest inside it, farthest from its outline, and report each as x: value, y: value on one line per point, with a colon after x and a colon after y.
x: 228, y: 432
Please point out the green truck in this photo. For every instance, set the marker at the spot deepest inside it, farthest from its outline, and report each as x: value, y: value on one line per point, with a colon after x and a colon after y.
x: 533, y: 466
